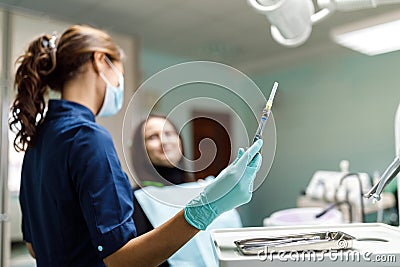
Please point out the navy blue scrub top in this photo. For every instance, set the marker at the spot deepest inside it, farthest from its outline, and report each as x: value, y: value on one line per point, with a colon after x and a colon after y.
x: 75, y: 199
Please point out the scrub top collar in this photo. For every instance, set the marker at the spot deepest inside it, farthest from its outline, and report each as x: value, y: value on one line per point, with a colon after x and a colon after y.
x: 62, y: 107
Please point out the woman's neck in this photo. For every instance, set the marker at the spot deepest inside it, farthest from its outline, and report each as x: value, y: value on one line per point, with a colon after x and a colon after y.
x: 83, y: 90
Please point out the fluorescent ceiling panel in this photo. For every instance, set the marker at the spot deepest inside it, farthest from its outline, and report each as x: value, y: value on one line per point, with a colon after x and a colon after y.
x: 371, y: 37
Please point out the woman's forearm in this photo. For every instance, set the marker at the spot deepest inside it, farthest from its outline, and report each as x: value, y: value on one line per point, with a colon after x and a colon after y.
x: 156, y: 246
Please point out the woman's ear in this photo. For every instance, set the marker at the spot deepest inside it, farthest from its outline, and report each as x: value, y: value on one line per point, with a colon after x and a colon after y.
x: 98, y: 61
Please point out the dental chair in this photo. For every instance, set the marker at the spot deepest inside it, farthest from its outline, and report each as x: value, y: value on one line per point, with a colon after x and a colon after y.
x: 345, y: 191
x: 340, y: 187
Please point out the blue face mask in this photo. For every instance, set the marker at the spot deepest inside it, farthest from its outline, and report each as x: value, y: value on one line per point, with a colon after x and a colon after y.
x: 114, y: 96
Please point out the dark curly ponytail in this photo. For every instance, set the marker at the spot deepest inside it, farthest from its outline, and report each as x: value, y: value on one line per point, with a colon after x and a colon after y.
x: 27, y: 111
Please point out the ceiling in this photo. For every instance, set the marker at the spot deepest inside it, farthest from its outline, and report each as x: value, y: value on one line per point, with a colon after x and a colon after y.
x: 228, y: 31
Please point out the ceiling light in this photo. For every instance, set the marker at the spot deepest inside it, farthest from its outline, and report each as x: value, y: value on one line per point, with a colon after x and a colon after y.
x: 371, y: 37
x: 292, y: 20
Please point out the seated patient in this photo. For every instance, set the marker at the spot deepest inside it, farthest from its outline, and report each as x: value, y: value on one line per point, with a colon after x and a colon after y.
x: 156, y: 139
x: 161, y: 165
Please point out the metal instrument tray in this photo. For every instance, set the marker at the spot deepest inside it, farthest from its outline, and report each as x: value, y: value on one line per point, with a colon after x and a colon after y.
x: 317, y: 241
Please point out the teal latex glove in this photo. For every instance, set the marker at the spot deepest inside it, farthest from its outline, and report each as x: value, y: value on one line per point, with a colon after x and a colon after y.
x: 230, y: 189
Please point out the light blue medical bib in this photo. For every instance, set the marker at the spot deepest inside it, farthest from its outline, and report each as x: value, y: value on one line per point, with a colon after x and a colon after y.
x: 199, y: 251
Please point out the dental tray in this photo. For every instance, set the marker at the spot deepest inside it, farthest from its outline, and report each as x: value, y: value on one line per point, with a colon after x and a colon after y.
x: 367, y: 244
x: 315, y: 241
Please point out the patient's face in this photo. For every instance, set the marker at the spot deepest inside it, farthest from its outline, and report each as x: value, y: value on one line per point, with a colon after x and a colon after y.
x: 162, y: 142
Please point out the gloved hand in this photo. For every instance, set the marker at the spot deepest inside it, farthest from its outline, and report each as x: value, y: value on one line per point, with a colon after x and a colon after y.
x: 230, y: 189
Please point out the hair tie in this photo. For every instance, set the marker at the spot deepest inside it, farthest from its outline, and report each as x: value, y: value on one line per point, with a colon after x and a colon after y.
x: 50, y: 43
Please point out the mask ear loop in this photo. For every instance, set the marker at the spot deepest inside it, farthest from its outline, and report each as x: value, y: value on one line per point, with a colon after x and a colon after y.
x: 113, y: 67
x: 105, y: 79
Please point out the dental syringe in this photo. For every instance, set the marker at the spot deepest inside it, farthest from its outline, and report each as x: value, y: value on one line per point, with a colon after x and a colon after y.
x: 265, y: 113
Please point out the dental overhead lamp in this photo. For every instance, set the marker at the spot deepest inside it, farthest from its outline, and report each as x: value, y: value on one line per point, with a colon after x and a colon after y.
x: 292, y: 20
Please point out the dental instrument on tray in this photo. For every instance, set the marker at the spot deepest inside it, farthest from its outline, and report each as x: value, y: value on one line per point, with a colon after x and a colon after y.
x: 325, y: 240
x: 265, y: 113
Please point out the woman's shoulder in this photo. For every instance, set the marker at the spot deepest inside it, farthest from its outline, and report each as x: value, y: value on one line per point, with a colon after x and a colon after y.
x: 91, y: 140
x: 91, y: 131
